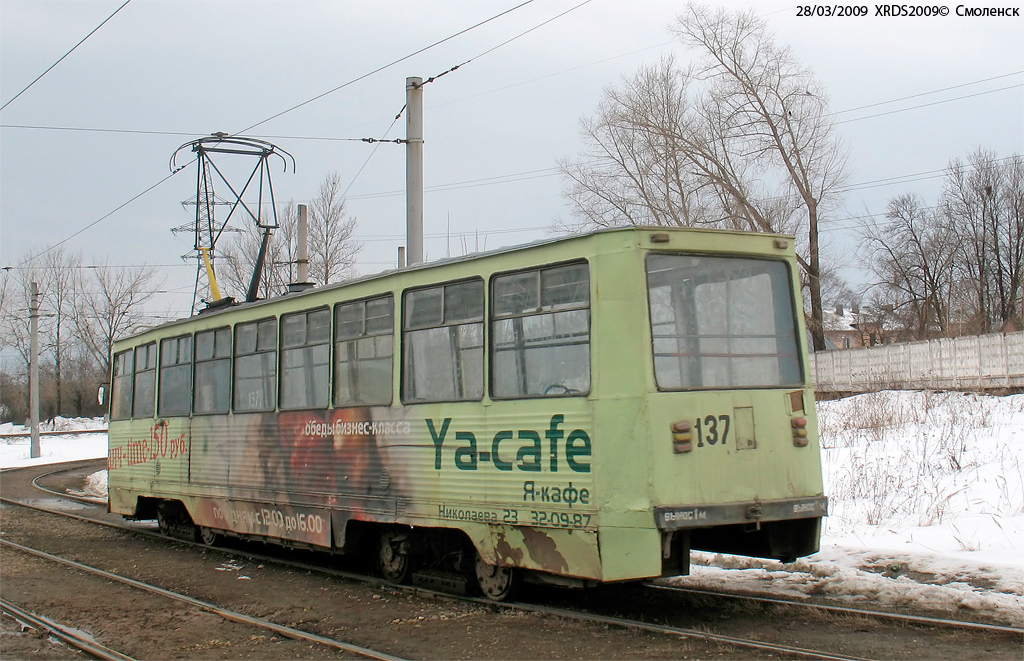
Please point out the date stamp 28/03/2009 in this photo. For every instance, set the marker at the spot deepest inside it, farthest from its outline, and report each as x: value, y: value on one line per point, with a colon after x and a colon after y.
x: 902, y: 11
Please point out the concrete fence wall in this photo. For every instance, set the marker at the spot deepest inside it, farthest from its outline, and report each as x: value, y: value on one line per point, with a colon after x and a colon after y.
x: 984, y: 362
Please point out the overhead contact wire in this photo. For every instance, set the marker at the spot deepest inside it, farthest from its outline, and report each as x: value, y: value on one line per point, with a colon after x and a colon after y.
x: 386, y: 66
x: 105, y: 216
x: 65, y: 55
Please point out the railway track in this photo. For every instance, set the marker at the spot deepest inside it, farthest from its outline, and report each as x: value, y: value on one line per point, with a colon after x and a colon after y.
x: 68, y: 635
x: 575, y: 612
x: 859, y: 612
x: 227, y: 614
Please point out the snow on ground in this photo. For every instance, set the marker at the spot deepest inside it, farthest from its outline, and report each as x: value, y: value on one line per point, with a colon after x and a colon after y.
x: 15, y: 450
x: 926, y: 505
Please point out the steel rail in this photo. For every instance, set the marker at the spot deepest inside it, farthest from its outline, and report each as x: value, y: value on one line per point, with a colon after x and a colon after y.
x: 568, y: 614
x: 682, y: 632
x: 685, y: 633
x: 901, y: 617
x: 79, y: 432
x: 94, y: 500
x: 67, y: 634
x: 230, y: 615
x: 224, y: 550
x: 918, y: 619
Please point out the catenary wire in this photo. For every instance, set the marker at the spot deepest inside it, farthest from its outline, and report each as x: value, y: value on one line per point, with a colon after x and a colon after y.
x: 521, y: 34
x: 925, y: 105
x: 325, y: 94
x: 507, y: 177
x: 873, y: 183
x: 65, y: 55
x: 944, y: 89
x: 105, y: 216
x: 340, y: 139
x: 386, y: 66
x: 376, y: 146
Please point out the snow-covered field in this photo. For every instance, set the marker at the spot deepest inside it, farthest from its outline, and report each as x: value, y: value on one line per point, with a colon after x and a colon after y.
x: 15, y: 451
x: 926, y: 505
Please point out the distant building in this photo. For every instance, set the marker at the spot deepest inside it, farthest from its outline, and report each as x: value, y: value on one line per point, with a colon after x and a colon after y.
x: 853, y: 328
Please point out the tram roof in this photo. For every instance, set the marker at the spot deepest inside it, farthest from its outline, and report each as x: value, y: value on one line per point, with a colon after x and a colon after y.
x: 209, y: 312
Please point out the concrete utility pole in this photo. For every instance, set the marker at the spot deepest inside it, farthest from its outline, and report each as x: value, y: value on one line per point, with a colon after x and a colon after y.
x: 33, y: 369
x: 414, y: 170
x: 302, y: 282
x: 302, y: 250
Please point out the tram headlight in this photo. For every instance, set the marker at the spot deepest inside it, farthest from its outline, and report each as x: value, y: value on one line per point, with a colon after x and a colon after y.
x: 682, y: 436
x: 800, y: 439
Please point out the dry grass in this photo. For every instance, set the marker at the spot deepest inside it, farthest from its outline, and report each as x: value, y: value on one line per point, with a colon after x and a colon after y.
x: 928, y: 453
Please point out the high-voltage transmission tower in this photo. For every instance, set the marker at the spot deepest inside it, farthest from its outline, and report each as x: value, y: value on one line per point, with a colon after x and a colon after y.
x: 211, y: 224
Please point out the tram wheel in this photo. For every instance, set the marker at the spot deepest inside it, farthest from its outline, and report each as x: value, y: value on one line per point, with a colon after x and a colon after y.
x: 207, y: 536
x: 497, y: 583
x: 394, y: 559
x: 164, y: 520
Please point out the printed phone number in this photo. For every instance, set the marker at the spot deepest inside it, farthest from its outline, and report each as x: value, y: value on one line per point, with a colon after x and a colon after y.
x: 550, y: 519
x: 841, y: 11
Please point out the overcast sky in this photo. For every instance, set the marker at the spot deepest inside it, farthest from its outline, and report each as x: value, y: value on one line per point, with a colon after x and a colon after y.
x: 494, y: 130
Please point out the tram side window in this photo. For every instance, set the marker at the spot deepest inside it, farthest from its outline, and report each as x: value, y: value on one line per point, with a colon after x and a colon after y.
x: 175, y: 397
x: 540, y: 330
x: 305, y: 359
x: 213, y: 371
x: 722, y: 322
x: 121, y: 397
x: 443, y: 343
x: 256, y: 366
x: 364, y: 339
x: 144, y: 397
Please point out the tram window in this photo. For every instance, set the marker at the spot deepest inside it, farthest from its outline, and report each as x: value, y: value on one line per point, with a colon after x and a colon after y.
x: 144, y: 397
x: 175, y: 397
x: 213, y: 371
x: 722, y: 322
x: 305, y: 359
x: 363, y: 352
x: 540, y: 329
x: 121, y: 397
x: 443, y: 343
x: 256, y: 366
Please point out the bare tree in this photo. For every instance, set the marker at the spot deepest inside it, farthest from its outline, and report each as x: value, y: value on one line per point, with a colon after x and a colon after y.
x: 743, y: 139
x: 14, y: 322
x: 630, y: 174
x: 111, y: 306
x: 332, y: 249
x: 14, y: 330
x: 6, y: 306
x: 61, y: 284
x: 913, y: 255
x: 983, y: 200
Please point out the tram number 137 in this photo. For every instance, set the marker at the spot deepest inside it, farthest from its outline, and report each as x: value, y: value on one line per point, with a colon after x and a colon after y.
x: 712, y: 430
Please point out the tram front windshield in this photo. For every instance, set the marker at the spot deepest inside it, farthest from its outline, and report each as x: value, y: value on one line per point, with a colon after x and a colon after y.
x: 722, y: 322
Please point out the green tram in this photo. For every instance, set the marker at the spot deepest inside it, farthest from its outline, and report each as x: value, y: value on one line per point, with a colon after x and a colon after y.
x: 573, y: 411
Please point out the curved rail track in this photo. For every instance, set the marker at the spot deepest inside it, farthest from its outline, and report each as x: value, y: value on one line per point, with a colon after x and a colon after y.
x: 568, y: 613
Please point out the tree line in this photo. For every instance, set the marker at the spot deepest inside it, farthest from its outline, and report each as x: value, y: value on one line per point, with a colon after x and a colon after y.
x: 743, y: 138
x: 84, y: 308
x: 954, y: 266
